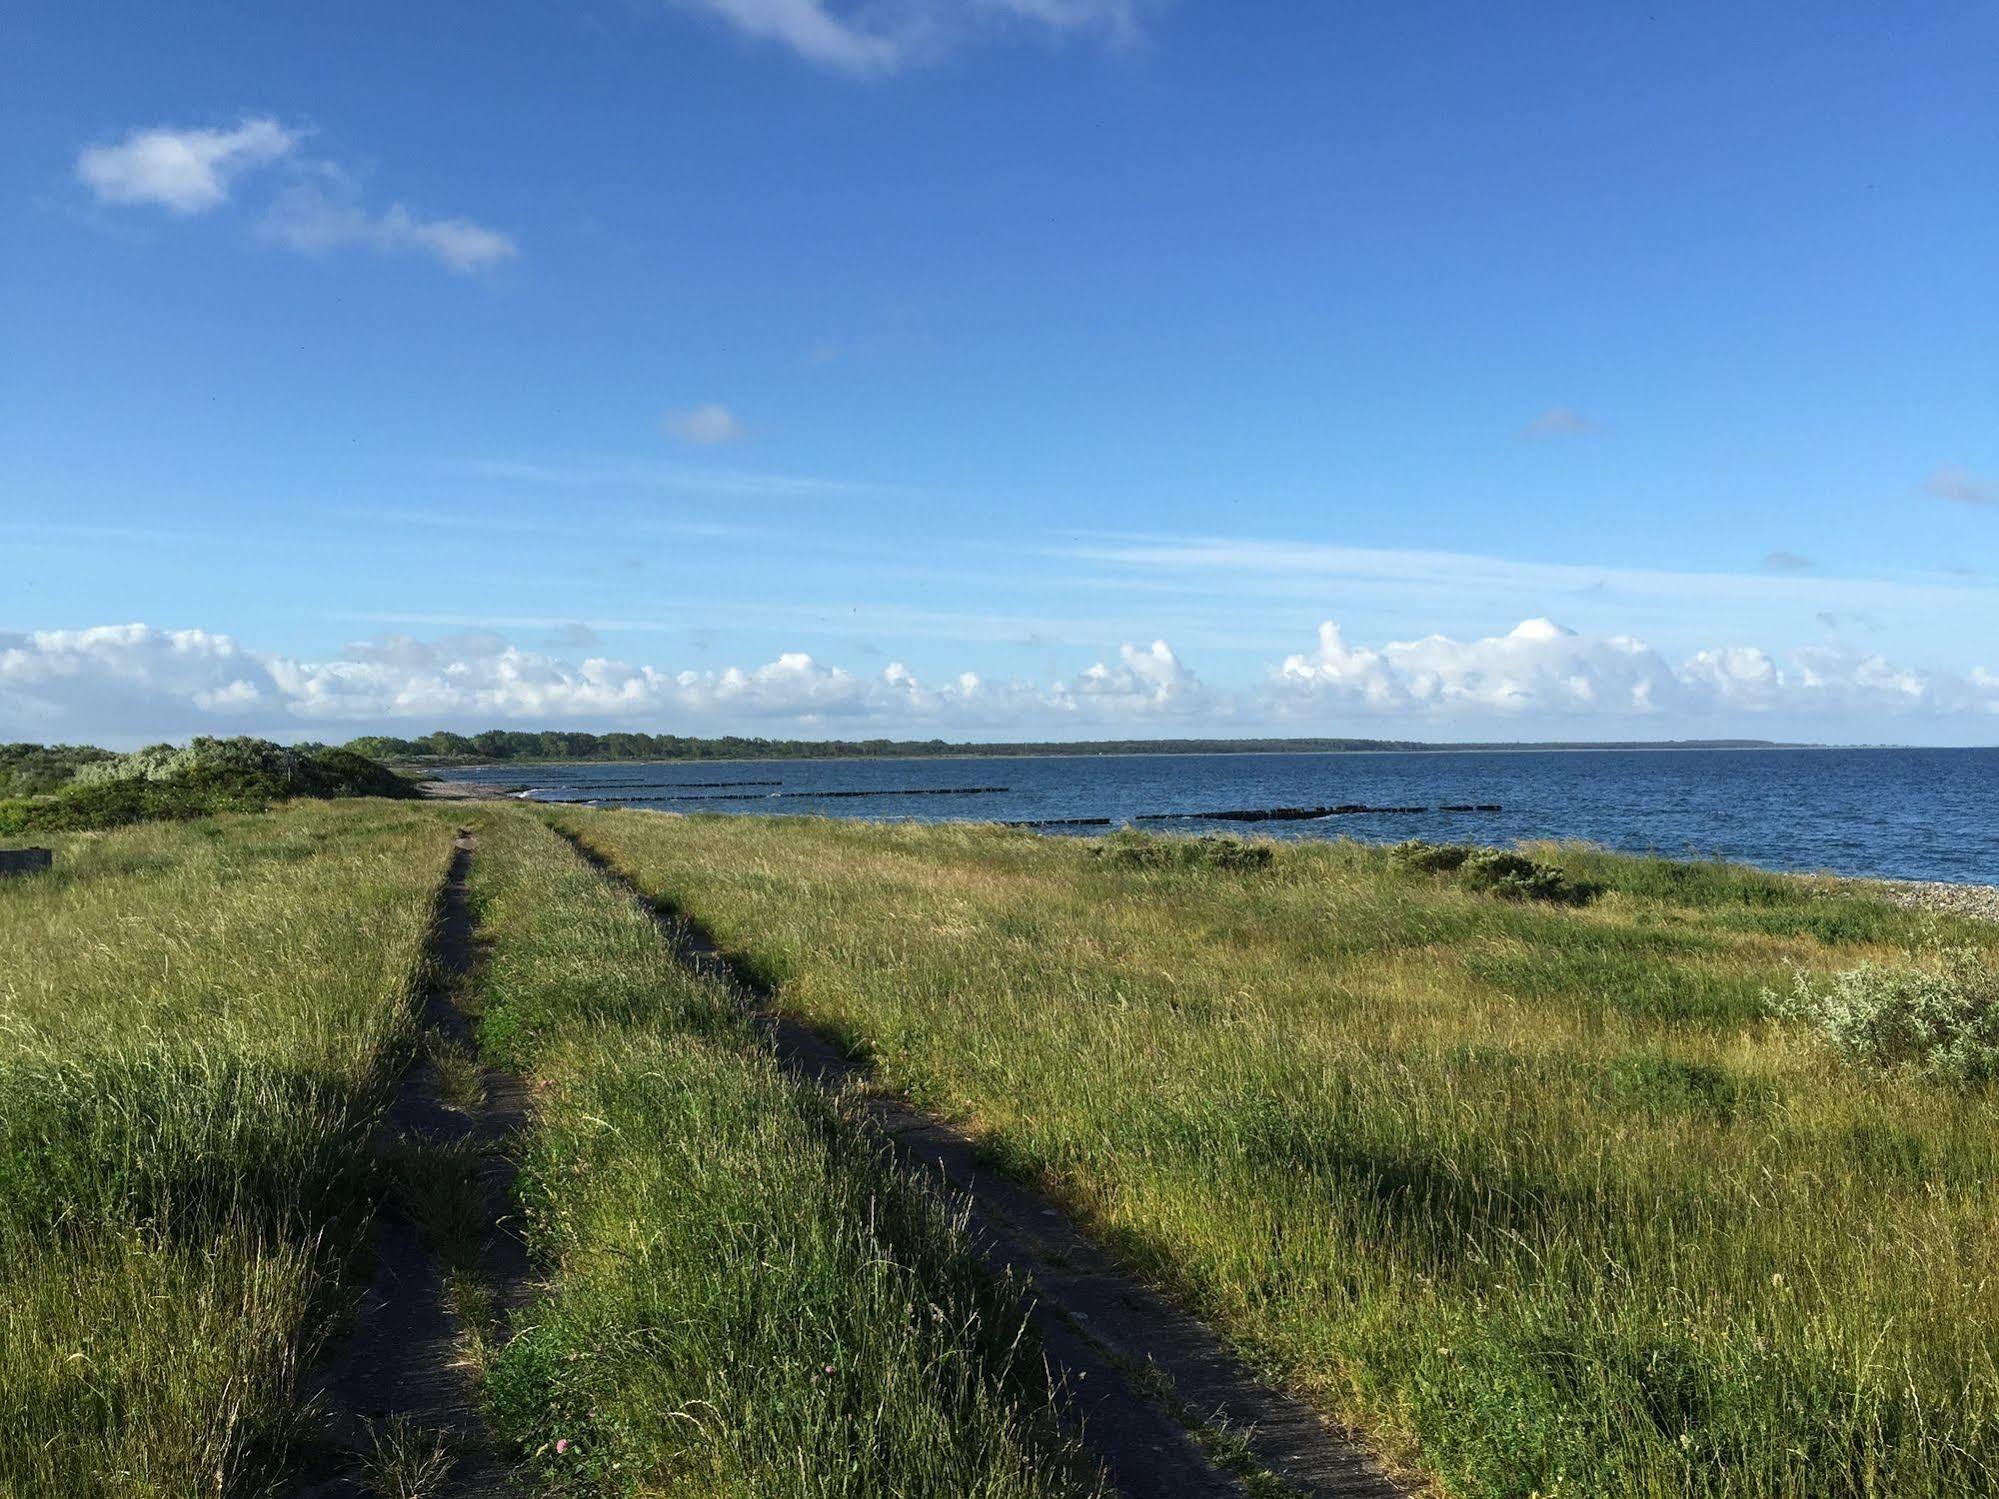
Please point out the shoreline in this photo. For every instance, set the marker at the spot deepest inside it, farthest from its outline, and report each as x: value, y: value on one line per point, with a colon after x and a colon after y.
x: 432, y: 789
x: 413, y: 767
x: 1939, y: 897
x: 1942, y: 897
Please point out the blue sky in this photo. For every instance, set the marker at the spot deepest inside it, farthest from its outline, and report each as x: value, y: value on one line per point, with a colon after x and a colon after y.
x: 1001, y: 368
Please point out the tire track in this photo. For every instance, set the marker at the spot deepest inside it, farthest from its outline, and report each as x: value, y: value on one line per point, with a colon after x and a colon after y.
x: 1159, y: 1398
x: 450, y: 1265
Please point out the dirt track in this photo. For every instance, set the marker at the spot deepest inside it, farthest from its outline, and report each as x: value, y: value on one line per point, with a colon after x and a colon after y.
x: 1144, y: 1379
x: 408, y: 1359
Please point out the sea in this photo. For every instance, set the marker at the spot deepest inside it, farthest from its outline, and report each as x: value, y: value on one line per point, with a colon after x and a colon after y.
x: 1920, y: 814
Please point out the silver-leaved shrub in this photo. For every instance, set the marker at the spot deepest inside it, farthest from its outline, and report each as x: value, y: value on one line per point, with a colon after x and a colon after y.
x: 1937, y: 1018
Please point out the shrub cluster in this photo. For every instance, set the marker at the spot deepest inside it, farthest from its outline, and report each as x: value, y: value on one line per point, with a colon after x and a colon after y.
x: 1496, y: 871
x: 1937, y: 1018
x: 1133, y: 850
x: 168, y: 781
x: 33, y: 769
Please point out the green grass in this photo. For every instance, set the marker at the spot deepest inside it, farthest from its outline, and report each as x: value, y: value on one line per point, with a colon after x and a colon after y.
x: 198, y: 1022
x: 1534, y: 1193
x: 745, y: 1298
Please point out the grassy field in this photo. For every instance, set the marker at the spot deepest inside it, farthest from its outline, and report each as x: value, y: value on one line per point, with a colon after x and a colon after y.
x: 1536, y: 1194
x: 745, y: 1299
x: 198, y: 1022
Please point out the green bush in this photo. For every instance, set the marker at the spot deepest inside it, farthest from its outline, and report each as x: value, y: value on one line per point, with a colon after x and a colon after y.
x: 1430, y: 858
x: 33, y: 769
x: 1520, y: 878
x: 252, y: 766
x: 1133, y: 850
x: 1495, y: 871
x: 1937, y: 1018
x: 167, y: 782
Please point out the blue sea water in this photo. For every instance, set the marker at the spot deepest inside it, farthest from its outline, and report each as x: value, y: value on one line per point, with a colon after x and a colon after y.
x: 1928, y: 814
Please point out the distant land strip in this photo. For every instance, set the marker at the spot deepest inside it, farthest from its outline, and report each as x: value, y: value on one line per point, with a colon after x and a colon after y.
x: 502, y: 746
x: 764, y: 796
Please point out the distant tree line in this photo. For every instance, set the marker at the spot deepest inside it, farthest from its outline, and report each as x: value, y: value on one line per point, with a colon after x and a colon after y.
x: 556, y: 744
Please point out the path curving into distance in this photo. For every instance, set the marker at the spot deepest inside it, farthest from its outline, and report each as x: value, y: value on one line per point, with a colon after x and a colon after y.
x: 1151, y: 1387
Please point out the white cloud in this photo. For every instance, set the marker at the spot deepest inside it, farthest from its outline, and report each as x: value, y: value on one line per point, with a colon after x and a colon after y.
x: 1149, y: 681
x: 877, y: 38
x: 1960, y: 484
x: 1552, y: 674
x: 810, y: 30
x: 1537, y: 666
x: 705, y: 425
x: 192, y: 171
x: 185, y: 171
x: 129, y: 682
x: 311, y: 217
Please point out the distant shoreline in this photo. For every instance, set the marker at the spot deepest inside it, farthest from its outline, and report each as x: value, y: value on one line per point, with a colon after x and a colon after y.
x: 1120, y: 750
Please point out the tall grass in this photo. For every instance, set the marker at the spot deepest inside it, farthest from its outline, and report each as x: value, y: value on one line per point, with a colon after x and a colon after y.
x: 1534, y: 1193
x: 745, y: 1298
x: 197, y: 1024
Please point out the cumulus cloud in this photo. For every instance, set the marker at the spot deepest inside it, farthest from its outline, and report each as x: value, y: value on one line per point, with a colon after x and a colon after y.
x: 1542, y: 670
x: 1953, y: 483
x: 1559, y: 421
x: 1538, y: 665
x: 315, y: 217
x: 133, y: 681
x: 1781, y: 561
x: 123, y: 680
x: 874, y: 38
x: 1151, y: 681
x: 705, y: 425
x: 183, y: 171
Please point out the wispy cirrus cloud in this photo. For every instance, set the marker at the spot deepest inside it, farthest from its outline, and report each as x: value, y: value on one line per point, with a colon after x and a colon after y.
x: 866, y: 38
x: 708, y: 425
x: 639, y: 474
x: 1560, y: 421
x: 1951, y: 482
x: 1233, y: 562
x: 324, y: 213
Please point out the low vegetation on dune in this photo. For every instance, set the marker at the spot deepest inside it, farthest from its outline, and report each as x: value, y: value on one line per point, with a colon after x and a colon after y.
x: 198, y: 1022
x: 69, y: 788
x: 744, y: 1297
x: 1548, y: 1196
x: 35, y: 769
x: 1936, y: 1019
